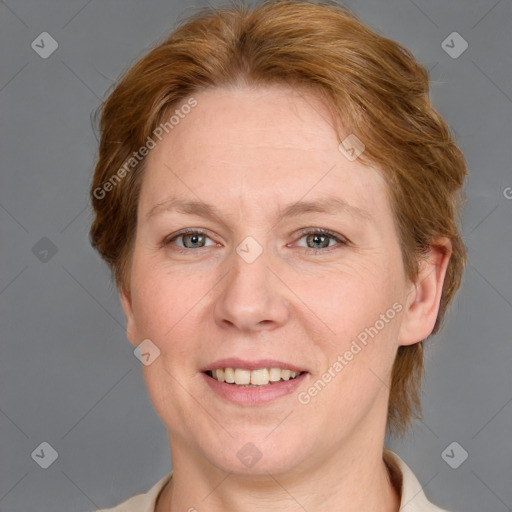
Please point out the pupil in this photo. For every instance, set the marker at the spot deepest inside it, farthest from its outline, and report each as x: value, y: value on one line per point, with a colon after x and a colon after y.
x: 194, y: 238
x: 317, y: 238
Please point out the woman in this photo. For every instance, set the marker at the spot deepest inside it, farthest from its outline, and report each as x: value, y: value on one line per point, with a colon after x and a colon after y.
x: 277, y: 199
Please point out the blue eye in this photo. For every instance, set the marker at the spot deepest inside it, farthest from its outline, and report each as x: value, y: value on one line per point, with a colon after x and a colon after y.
x: 320, y: 236
x: 196, y: 239
x: 189, y: 237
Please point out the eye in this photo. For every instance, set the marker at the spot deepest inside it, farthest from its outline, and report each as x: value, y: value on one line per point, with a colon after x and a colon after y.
x: 321, y: 238
x: 191, y: 239
x: 196, y: 239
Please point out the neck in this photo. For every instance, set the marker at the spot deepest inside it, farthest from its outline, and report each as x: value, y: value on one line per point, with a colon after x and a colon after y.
x: 351, y: 480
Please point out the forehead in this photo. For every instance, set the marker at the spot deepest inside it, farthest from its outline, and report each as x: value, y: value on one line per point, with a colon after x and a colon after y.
x: 265, y: 146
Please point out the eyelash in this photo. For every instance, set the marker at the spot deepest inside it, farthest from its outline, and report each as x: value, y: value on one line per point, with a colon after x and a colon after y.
x: 323, y: 232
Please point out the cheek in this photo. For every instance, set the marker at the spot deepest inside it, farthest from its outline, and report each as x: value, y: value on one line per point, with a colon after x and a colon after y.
x: 357, y: 319
x: 358, y: 360
x: 163, y: 302
x: 347, y: 301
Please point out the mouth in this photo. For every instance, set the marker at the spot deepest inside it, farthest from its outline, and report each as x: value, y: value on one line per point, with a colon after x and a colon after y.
x: 249, y: 383
x: 257, y: 378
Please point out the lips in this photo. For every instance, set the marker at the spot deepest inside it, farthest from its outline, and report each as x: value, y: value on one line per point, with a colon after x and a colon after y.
x: 253, y: 383
x: 251, y: 395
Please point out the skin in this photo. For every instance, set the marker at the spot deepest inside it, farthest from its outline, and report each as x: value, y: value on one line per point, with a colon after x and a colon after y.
x: 251, y: 152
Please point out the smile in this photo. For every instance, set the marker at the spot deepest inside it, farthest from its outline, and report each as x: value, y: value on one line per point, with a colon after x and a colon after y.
x: 252, y: 378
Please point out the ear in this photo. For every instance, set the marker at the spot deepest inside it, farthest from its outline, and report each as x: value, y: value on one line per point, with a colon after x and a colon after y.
x: 424, y: 297
x: 131, y: 329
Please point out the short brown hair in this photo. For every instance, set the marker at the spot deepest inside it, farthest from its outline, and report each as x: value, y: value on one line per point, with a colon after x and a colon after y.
x: 375, y: 88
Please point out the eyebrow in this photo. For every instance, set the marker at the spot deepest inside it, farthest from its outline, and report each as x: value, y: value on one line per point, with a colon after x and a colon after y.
x: 330, y: 205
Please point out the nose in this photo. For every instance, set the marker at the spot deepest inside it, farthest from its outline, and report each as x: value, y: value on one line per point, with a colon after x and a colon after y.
x: 253, y: 296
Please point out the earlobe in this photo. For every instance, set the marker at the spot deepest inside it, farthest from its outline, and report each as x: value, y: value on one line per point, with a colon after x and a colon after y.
x: 126, y: 302
x: 424, y: 298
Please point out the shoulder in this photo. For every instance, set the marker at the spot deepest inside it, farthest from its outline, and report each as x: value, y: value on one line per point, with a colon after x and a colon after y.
x: 413, y: 498
x: 141, y: 502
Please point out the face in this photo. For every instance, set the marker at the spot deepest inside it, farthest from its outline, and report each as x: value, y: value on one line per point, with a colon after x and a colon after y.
x: 258, y: 284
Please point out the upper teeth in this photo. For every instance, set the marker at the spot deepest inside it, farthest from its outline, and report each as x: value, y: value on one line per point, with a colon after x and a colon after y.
x: 260, y: 377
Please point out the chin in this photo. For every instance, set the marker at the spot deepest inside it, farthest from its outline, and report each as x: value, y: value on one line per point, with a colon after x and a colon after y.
x: 258, y: 453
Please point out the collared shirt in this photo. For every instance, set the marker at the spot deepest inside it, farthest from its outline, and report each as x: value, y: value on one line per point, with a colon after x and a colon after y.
x: 413, y: 498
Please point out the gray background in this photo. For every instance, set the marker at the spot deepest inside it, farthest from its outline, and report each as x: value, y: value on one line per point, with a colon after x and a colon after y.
x: 68, y: 374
